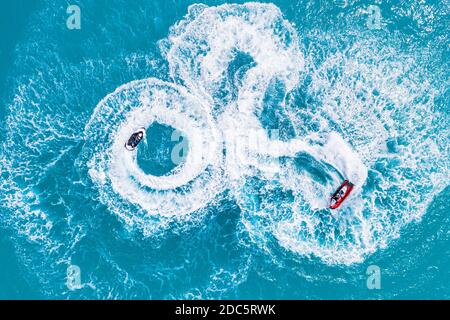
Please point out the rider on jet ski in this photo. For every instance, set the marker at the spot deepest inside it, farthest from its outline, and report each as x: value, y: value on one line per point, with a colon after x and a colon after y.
x: 341, y: 194
x: 337, y: 196
x: 134, y: 140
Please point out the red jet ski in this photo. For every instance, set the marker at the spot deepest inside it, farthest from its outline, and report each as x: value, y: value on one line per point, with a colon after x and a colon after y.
x: 341, y: 194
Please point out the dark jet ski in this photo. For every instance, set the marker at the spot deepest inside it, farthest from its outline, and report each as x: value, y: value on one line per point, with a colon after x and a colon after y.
x: 341, y: 194
x: 135, y: 139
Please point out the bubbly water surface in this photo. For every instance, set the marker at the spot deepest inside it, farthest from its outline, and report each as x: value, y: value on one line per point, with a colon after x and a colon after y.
x: 254, y: 114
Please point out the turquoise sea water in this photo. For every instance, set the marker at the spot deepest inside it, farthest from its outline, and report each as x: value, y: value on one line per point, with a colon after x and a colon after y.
x: 269, y: 106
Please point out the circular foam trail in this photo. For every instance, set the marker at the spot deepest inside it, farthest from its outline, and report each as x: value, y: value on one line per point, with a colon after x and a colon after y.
x: 379, y: 102
x: 355, y: 127
x: 203, y: 51
x: 203, y: 48
x: 234, y: 59
x: 188, y: 187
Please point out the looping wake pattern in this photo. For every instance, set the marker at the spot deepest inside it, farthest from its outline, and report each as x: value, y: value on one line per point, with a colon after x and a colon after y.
x: 240, y: 81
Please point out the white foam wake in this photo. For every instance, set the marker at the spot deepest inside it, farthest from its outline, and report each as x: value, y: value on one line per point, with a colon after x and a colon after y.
x: 191, y: 186
x: 225, y: 61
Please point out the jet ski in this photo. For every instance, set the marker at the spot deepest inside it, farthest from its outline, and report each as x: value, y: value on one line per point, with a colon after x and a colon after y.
x: 341, y: 194
x: 134, y: 139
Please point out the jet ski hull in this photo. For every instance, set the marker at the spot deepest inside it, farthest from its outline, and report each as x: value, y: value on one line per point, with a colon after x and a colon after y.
x: 133, y: 141
x: 341, y: 194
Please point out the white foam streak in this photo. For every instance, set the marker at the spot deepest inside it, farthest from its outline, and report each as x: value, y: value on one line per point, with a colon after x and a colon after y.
x: 157, y: 195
